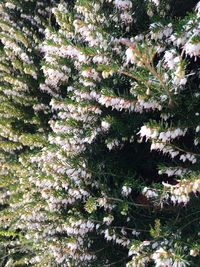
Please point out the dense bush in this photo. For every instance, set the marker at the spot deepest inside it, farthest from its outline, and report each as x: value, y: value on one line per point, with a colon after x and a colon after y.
x: 99, y: 133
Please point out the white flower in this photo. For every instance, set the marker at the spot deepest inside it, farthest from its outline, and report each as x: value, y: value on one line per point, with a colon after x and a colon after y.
x: 126, y: 17
x: 170, y: 59
x: 178, y: 263
x: 10, y: 5
x: 130, y: 55
x: 112, y: 144
x: 108, y: 220
x: 198, y: 129
x: 149, y: 193
x: 198, y: 8
x: 105, y: 125
x: 194, y: 252
x: 126, y: 190
x: 148, y: 132
x: 192, y: 49
x: 135, y: 233
x: 156, y: 2
x: 123, y: 4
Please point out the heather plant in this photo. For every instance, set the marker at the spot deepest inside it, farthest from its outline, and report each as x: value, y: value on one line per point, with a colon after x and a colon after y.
x: 100, y: 133
x: 24, y: 115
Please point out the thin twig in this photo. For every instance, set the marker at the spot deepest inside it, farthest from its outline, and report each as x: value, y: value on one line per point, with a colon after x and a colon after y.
x: 111, y: 264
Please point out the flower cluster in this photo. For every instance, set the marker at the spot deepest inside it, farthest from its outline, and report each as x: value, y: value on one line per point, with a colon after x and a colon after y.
x: 99, y: 133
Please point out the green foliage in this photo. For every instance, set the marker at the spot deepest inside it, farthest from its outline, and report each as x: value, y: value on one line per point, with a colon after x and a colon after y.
x: 99, y: 133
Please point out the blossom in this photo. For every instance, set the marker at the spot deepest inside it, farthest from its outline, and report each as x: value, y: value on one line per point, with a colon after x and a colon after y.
x: 10, y: 5
x: 194, y: 252
x: 108, y: 220
x: 123, y: 4
x: 148, y: 132
x: 130, y: 56
x: 105, y: 125
x: 156, y: 2
x: 149, y: 193
x: 192, y: 49
x: 126, y: 190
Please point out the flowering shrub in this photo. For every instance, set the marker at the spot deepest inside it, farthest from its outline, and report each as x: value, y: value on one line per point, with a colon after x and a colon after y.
x: 99, y: 133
